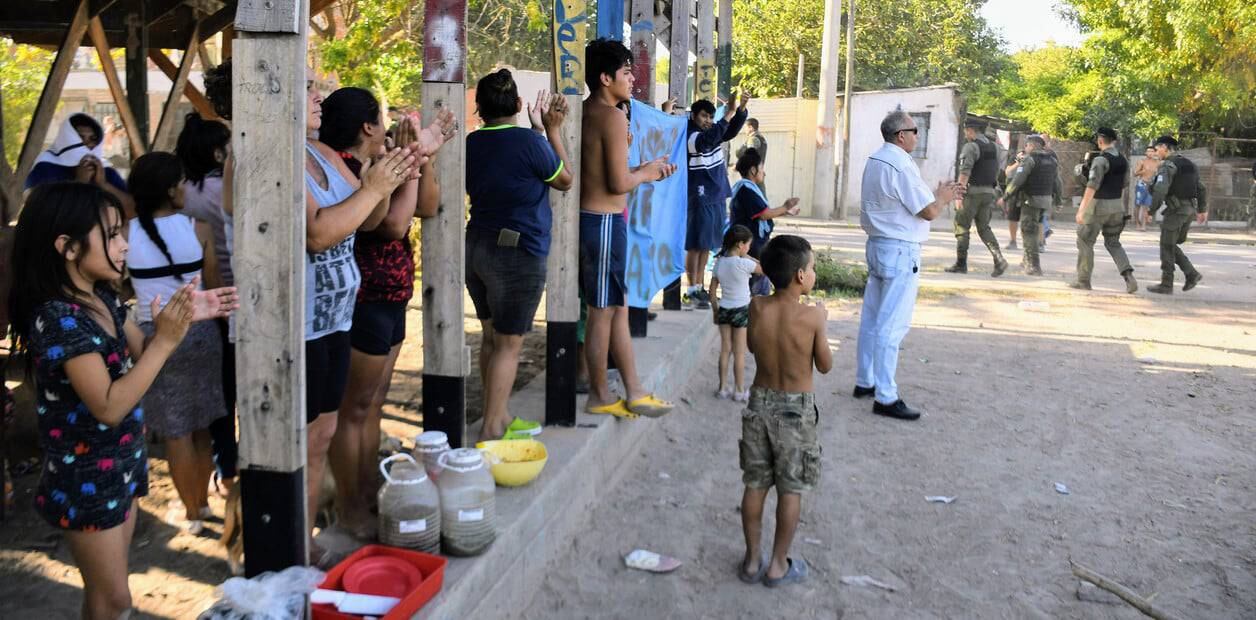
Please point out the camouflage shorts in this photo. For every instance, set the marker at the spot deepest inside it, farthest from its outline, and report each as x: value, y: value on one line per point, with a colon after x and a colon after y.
x: 778, y: 441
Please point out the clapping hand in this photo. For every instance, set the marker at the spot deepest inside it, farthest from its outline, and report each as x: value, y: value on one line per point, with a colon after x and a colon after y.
x: 387, y: 172
x: 948, y: 191
x: 444, y: 127
x: 172, y: 321
x: 536, y: 111
x: 743, y: 100
x: 663, y: 168
x: 554, y: 113
x: 791, y: 206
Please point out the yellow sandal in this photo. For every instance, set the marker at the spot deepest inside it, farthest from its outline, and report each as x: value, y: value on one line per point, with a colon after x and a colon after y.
x: 618, y: 409
x: 650, y: 406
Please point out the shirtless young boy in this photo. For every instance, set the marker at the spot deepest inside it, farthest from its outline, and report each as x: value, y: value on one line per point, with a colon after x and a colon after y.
x: 778, y: 428
x: 605, y: 182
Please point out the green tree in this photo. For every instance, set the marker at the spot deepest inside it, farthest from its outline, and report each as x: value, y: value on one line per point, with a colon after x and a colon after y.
x: 23, y: 69
x: 897, y: 44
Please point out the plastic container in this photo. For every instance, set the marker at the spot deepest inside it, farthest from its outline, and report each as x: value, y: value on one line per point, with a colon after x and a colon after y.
x: 428, y: 447
x: 514, y: 462
x: 468, y: 503
x: 431, y: 567
x: 409, y: 506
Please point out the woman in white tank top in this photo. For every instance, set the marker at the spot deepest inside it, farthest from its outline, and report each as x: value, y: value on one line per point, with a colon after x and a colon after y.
x: 168, y: 250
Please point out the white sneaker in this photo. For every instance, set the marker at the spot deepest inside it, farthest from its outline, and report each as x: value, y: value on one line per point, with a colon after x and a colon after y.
x: 175, y: 517
x: 724, y: 394
x: 742, y: 396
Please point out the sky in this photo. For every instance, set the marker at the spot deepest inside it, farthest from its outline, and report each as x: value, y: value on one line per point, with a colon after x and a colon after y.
x: 1029, y: 23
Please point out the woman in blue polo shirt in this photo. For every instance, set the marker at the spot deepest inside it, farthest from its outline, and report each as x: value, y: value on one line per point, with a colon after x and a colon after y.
x: 509, y: 172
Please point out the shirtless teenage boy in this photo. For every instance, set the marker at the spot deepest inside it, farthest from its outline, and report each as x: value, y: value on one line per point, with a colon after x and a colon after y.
x: 778, y: 429
x: 605, y: 182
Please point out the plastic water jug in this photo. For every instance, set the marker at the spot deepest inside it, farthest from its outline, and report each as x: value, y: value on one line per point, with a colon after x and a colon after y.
x: 409, y: 506
x: 467, y: 497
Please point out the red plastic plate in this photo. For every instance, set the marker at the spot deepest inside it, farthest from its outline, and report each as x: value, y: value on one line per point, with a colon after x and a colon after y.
x: 382, y: 576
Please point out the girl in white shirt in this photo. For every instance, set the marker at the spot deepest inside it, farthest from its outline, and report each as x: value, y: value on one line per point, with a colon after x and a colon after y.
x: 731, y: 312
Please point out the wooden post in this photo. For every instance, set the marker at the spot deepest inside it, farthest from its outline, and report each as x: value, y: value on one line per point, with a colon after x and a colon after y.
x: 678, y: 49
x: 826, y: 113
x: 724, y: 50
x: 41, y: 119
x: 137, y: 67
x: 562, y: 301
x: 704, y: 66
x: 610, y: 20
x: 446, y: 361
x: 642, y: 46
x: 164, y: 138
x: 268, y: 131
x: 802, y: 60
x: 846, y: 108
x: 97, y: 33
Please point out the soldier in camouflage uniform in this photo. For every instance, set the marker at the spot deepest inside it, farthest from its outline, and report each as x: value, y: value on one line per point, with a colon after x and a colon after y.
x: 978, y: 170
x: 1179, y: 188
x: 1102, y: 211
x: 1036, y: 185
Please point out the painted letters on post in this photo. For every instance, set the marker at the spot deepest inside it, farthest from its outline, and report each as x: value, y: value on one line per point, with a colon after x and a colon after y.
x: 657, y: 212
x: 570, y: 21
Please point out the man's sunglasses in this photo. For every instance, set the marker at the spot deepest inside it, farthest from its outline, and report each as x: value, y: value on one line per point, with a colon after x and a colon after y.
x: 913, y: 130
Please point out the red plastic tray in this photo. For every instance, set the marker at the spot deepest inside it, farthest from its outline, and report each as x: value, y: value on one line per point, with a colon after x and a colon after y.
x: 431, y: 566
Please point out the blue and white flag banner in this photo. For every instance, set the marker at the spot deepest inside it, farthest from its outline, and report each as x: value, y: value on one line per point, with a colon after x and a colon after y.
x: 657, y: 212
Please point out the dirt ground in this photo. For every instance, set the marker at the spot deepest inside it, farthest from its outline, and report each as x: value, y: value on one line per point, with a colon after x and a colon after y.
x: 1141, y: 406
x: 173, y: 574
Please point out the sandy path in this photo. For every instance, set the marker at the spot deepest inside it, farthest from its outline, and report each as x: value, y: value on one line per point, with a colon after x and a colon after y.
x: 1156, y: 453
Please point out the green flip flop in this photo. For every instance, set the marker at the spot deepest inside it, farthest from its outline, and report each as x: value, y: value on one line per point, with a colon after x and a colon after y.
x: 520, y: 426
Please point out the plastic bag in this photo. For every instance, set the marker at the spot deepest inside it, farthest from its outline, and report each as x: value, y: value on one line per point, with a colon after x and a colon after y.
x: 268, y: 596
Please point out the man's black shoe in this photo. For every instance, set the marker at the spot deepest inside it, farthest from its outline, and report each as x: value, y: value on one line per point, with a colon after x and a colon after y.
x: 650, y: 316
x: 898, y: 410
x: 861, y: 391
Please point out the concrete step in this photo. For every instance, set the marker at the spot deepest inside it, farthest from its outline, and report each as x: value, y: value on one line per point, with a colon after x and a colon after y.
x: 536, y: 522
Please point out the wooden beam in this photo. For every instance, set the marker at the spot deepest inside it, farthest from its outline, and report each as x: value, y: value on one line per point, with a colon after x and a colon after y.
x: 704, y: 65
x: 641, y: 19
x: 202, y: 55
x: 46, y: 108
x: 678, y: 49
x: 446, y: 361
x: 137, y: 67
x: 164, y: 138
x: 194, y: 94
x: 823, y: 199
x: 97, y: 33
x: 562, y: 299
x: 268, y: 142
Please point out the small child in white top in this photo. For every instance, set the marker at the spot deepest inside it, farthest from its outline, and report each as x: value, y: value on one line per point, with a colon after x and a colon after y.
x: 731, y: 312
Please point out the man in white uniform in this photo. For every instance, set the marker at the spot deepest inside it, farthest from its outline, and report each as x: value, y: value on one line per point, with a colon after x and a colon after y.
x: 897, y: 207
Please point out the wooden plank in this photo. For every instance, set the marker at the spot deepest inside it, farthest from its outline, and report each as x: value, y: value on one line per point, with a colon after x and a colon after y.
x: 562, y: 302
x: 268, y: 135
x: 823, y: 199
x: 194, y: 94
x: 724, y: 50
x: 97, y: 33
x: 273, y: 16
x: 164, y: 138
x: 46, y: 108
x: 642, y: 45
x: 202, y: 55
x: 446, y: 360
x: 704, y: 65
x: 137, y: 68
x: 445, y: 41
x: 678, y: 48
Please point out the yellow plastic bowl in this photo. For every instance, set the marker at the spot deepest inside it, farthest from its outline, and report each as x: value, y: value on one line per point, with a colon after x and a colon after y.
x: 517, y: 462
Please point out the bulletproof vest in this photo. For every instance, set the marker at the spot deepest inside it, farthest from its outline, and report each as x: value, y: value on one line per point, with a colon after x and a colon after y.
x: 1113, y: 183
x: 1186, y: 179
x: 1041, y: 180
x: 986, y: 168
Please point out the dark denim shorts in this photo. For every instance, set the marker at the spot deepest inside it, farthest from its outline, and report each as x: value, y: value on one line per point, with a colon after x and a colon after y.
x: 505, y: 283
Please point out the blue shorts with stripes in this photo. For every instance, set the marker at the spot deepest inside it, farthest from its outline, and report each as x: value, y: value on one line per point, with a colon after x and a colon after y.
x: 603, y: 258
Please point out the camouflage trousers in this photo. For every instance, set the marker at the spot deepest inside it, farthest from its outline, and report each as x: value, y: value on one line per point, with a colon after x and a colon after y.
x: 778, y: 441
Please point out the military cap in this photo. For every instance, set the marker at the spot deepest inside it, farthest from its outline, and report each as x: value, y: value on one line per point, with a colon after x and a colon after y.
x: 1168, y: 141
x: 1107, y: 133
x: 975, y: 123
x: 1037, y: 139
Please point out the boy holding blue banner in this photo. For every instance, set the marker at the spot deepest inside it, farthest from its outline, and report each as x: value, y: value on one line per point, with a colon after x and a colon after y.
x: 605, y: 182
x: 708, y: 187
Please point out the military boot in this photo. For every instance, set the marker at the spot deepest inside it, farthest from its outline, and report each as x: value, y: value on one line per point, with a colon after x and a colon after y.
x: 1000, y: 264
x: 961, y: 260
x: 1191, y: 281
x: 1165, y: 287
x: 1131, y: 285
x: 1032, y: 266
